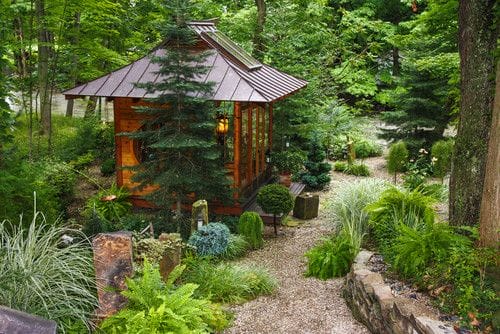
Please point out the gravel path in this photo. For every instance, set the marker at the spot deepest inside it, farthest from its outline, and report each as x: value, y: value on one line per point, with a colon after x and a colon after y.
x: 300, y: 305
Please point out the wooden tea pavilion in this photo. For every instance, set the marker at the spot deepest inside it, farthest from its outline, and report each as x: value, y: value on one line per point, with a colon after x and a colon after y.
x: 244, y: 87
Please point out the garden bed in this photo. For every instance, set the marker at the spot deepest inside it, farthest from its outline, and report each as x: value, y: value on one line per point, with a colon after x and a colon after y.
x: 386, y: 305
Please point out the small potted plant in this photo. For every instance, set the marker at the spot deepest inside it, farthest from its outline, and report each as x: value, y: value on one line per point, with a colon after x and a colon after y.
x: 286, y: 163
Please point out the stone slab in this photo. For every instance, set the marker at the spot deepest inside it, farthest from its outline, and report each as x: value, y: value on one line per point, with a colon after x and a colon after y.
x: 17, y: 322
x: 113, y: 264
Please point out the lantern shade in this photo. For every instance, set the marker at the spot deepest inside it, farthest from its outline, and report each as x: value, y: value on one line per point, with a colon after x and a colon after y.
x: 222, y: 125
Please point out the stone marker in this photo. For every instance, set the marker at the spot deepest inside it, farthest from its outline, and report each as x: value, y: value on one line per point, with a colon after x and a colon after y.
x: 199, y: 214
x: 17, y: 322
x: 172, y: 256
x: 113, y: 263
x: 306, y: 206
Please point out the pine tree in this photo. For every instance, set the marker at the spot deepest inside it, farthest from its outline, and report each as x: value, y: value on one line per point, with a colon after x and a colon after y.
x: 422, y: 111
x: 182, y: 157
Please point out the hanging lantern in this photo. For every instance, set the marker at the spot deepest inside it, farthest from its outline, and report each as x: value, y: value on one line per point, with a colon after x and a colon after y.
x: 222, y: 125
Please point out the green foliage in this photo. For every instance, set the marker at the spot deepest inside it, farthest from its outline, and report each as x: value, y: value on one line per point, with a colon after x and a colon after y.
x: 365, y: 149
x: 228, y: 283
x: 347, y: 207
x: 153, y: 250
x: 395, y: 207
x: 110, y: 204
x: 41, y: 275
x: 441, y: 153
x: 210, y: 240
x: 60, y: 177
x: 331, y: 258
x: 397, y: 158
x: 275, y: 199
x: 158, y: 307
x: 231, y: 222
x: 287, y: 161
x: 108, y: 167
x: 316, y: 174
x: 251, y: 227
x: 340, y: 166
x: 19, y: 182
x: 420, y: 247
x: 180, y: 137
x: 237, y: 247
x: 357, y: 169
x: 82, y: 161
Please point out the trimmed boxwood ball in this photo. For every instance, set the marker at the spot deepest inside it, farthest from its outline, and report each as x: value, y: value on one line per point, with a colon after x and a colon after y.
x: 251, y: 227
x: 275, y: 199
x: 210, y: 240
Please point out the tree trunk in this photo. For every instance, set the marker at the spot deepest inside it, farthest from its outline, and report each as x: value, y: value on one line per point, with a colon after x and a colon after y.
x: 489, y: 218
x: 476, y: 44
x: 74, y: 69
x: 43, y: 68
x: 20, y: 54
x: 396, y: 66
x: 258, y: 40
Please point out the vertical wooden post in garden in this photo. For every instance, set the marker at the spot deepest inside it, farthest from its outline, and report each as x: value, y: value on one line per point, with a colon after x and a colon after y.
x: 112, y: 263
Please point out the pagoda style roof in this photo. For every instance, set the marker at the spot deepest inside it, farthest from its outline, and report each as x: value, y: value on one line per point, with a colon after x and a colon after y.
x: 236, y: 75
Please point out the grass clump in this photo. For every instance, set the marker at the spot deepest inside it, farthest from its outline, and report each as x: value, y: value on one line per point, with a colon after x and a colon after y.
x: 41, y: 275
x: 228, y: 283
x: 366, y: 149
x: 331, y: 258
x: 251, y: 227
x: 237, y: 247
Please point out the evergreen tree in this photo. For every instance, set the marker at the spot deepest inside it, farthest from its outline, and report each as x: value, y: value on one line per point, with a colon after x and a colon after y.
x: 180, y: 154
x: 316, y: 175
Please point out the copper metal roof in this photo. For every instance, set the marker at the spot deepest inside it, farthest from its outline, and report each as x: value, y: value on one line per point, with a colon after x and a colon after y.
x: 233, y: 80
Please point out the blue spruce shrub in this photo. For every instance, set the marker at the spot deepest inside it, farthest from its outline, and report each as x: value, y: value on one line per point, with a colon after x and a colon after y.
x: 210, y: 240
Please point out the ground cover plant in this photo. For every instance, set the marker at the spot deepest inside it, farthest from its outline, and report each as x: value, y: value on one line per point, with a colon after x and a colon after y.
x: 41, y: 275
x: 155, y: 306
x: 227, y: 282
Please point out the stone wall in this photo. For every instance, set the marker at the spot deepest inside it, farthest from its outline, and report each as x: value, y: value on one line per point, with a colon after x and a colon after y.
x: 372, y: 303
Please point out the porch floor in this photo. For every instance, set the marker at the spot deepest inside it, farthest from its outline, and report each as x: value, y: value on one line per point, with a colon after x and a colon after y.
x: 296, y: 189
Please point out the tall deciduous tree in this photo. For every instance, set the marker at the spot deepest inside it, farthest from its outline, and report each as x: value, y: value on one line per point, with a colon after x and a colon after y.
x: 477, y: 41
x: 489, y: 219
x: 258, y: 38
x: 181, y: 156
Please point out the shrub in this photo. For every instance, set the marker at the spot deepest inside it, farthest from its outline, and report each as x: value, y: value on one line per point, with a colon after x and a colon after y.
x: 396, y: 160
x: 316, y: 174
x: 157, y: 307
x: 331, y: 258
x: 396, y: 207
x: 357, y: 170
x: 41, y: 275
x: 60, y: 177
x: 275, y: 199
x: 365, y: 149
x: 237, y: 246
x: 287, y: 161
x: 347, y: 207
x: 340, y: 166
x: 210, y: 240
x: 108, y: 167
x: 110, y: 204
x: 231, y: 222
x: 441, y: 153
x: 251, y: 227
x: 228, y: 283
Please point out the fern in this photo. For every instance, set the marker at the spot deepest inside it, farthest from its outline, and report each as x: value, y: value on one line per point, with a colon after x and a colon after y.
x: 416, y: 249
x: 157, y: 307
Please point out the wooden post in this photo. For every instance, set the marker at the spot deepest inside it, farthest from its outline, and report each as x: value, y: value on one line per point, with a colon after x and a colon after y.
x: 270, y: 134
x: 257, y: 140
x: 237, y: 144
x: 249, y: 145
